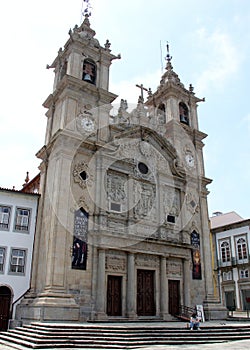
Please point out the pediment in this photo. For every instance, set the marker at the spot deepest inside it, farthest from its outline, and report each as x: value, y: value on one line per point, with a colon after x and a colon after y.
x: 142, y: 143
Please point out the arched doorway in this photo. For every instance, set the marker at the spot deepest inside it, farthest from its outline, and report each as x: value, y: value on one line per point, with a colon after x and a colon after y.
x: 5, y: 299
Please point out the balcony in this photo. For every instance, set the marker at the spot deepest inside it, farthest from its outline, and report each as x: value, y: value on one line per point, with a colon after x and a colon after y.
x: 232, y: 262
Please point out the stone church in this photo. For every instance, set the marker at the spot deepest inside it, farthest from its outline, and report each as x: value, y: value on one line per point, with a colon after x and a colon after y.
x: 123, y: 229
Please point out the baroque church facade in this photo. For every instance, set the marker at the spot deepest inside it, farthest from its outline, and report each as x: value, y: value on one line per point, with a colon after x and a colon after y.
x: 123, y: 228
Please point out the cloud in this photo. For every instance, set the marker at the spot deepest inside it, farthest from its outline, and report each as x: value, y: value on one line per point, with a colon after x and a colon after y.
x: 222, y: 57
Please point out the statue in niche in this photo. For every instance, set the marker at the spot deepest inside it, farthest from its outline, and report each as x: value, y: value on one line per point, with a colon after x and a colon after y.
x: 144, y: 196
x: 115, y: 188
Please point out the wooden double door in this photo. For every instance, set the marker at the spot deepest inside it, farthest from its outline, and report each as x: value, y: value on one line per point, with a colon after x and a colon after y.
x: 145, y: 294
x: 5, y: 300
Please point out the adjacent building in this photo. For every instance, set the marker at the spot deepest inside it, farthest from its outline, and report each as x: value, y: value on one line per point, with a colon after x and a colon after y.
x: 231, y: 240
x: 18, y: 212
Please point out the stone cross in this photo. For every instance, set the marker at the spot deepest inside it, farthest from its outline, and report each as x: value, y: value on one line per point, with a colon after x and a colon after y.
x: 142, y: 88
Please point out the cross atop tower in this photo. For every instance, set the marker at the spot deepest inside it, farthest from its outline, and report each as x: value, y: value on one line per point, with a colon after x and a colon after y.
x: 142, y: 88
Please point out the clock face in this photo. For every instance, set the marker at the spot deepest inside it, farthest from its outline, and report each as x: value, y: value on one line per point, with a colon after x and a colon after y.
x: 87, y: 124
x: 189, y: 159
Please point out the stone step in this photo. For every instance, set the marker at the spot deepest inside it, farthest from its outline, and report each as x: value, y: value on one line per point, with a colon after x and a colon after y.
x: 42, y: 336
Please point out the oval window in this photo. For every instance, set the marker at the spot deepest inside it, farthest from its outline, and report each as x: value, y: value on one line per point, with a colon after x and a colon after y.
x: 143, y: 168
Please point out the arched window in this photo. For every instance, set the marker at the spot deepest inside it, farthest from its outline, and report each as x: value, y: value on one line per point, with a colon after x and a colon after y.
x: 225, y: 251
x: 183, y: 112
x: 244, y: 274
x: 242, y: 249
x: 89, y: 71
x: 227, y: 276
x: 161, y: 113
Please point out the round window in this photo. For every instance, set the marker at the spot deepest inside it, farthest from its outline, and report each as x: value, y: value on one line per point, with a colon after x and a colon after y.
x: 143, y: 168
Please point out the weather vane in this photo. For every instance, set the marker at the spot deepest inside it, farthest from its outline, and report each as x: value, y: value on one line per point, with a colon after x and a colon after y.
x: 87, y: 10
x: 168, y: 57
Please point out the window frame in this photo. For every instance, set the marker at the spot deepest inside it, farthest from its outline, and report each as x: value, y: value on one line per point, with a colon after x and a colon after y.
x: 15, y: 228
x: 19, y: 273
x: 4, y: 258
x: 241, y: 248
x: 244, y: 273
x: 9, y: 217
x: 228, y: 252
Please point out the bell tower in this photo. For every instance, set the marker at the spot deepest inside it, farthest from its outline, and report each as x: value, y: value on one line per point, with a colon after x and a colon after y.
x: 176, y: 108
x: 77, y: 108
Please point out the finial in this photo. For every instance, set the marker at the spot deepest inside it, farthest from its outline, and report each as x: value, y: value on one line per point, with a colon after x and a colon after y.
x: 168, y: 57
x: 107, y: 45
x: 27, y: 179
x: 191, y: 88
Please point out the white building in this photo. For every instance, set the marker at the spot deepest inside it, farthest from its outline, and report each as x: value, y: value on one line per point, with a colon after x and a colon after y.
x: 231, y: 237
x: 18, y: 213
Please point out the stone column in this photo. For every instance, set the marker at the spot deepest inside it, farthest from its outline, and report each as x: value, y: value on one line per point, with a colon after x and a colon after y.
x: 131, y: 290
x: 100, y: 293
x: 186, y: 282
x: 163, y: 288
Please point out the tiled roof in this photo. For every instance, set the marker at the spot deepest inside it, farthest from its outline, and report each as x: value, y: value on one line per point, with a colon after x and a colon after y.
x: 225, y: 219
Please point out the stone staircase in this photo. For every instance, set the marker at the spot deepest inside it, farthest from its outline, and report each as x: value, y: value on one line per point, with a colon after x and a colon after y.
x: 116, y: 336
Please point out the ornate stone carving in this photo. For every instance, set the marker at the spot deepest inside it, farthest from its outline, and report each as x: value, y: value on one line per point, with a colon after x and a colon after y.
x: 115, y: 262
x: 192, y: 202
x: 147, y: 260
x: 171, y: 201
x: 82, y: 175
x: 144, y: 199
x: 116, y: 225
x: 116, y: 187
x: 174, y: 268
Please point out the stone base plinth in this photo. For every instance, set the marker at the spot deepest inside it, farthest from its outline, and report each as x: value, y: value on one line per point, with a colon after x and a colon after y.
x: 214, y: 311
x: 56, y: 308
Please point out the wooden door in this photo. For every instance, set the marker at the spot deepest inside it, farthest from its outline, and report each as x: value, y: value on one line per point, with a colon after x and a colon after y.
x: 114, y: 296
x: 145, y: 293
x: 174, y: 297
x: 5, y: 298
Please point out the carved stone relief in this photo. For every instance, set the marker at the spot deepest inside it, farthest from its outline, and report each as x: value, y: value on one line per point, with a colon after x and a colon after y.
x: 144, y: 199
x: 171, y: 201
x: 146, y: 260
x: 174, y: 267
x: 82, y: 175
x: 115, y: 262
x: 116, y: 187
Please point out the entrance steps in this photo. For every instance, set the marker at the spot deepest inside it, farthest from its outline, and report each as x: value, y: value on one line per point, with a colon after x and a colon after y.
x: 114, y: 336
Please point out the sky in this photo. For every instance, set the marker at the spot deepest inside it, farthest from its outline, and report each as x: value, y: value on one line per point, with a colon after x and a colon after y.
x: 210, y: 47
